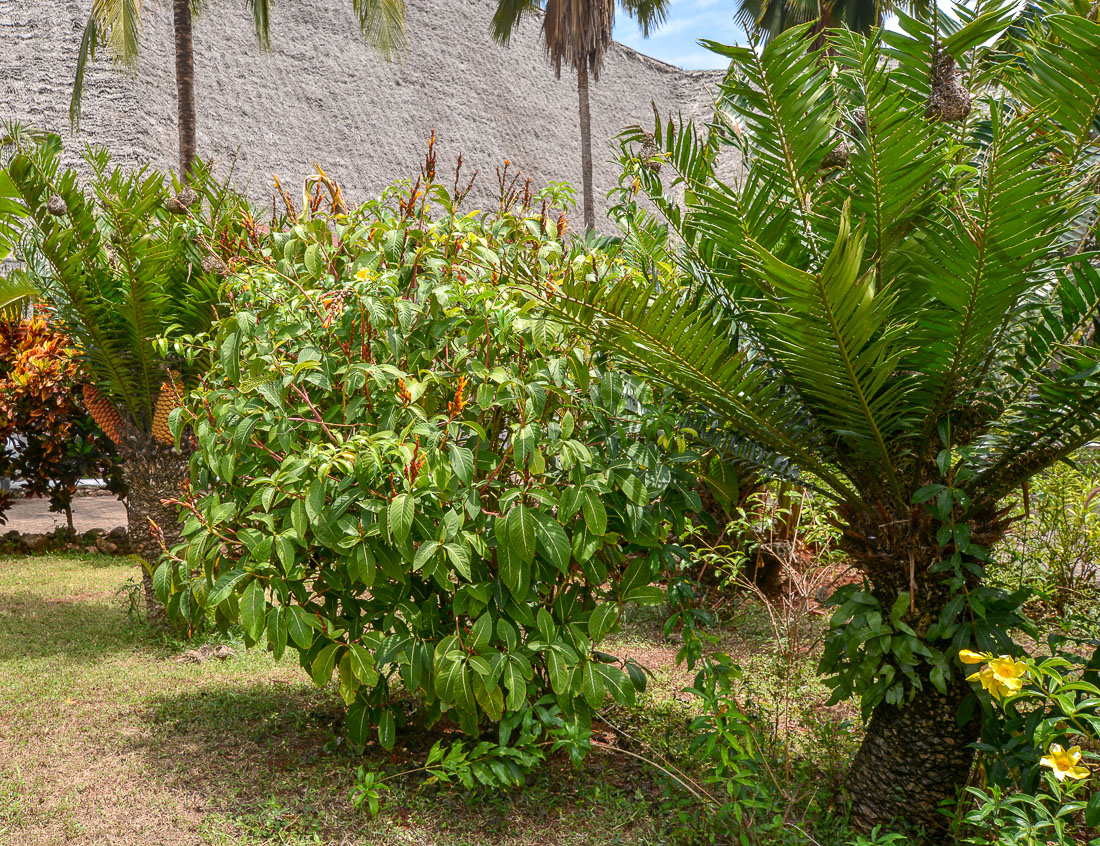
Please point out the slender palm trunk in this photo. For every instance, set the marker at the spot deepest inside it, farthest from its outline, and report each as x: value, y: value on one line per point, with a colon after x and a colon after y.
x: 586, y: 147
x: 185, y: 85
x: 153, y: 473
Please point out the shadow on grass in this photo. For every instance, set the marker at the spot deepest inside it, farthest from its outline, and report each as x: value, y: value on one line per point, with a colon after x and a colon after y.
x: 270, y: 757
x: 33, y: 626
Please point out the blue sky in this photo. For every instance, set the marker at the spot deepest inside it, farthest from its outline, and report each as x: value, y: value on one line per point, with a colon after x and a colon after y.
x: 688, y: 21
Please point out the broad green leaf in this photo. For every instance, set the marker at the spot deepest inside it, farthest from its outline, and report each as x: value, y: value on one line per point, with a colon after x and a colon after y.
x: 387, y: 729
x: 521, y: 532
x: 592, y: 684
x: 595, y: 515
x: 462, y: 462
x: 618, y: 684
x: 299, y: 630
x: 401, y: 512
x: 276, y: 631
x: 321, y: 669
x: 602, y: 620
x: 425, y: 554
x: 253, y: 609
x: 635, y: 489
x: 552, y: 540
x: 362, y: 664
x: 358, y: 722
x: 459, y: 554
x: 223, y: 587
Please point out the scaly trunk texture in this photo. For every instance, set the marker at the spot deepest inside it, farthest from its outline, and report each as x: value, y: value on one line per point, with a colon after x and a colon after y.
x: 153, y: 473
x: 914, y: 756
x: 185, y: 85
x: 586, y: 147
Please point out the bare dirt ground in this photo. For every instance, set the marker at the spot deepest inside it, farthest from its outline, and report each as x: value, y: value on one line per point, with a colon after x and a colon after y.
x: 89, y: 512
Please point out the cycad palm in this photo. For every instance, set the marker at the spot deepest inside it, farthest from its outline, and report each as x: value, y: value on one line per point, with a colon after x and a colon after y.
x: 578, y: 33
x: 117, y: 24
x: 907, y: 333
x: 120, y: 267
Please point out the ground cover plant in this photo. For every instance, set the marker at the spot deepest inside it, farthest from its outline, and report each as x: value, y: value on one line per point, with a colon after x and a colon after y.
x: 893, y: 305
x: 107, y: 735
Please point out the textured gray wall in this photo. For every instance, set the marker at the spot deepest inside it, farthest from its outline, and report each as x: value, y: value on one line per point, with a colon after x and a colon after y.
x: 322, y: 95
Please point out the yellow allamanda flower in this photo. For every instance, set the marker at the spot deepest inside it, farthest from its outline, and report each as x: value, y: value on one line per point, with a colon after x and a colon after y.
x: 1001, y: 676
x: 1064, y: 762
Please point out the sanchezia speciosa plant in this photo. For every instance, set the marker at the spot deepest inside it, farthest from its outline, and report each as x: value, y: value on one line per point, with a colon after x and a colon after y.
x: 414, y: 478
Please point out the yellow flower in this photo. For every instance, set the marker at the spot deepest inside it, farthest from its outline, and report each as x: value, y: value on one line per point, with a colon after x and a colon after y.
x: 968, y: 657
x: 361, y: 275
x: 1001, y: 676
x: 1064, y: 762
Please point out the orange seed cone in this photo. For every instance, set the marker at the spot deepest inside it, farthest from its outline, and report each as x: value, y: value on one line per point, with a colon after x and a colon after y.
x: 170, y: 398
x: 103, y: 413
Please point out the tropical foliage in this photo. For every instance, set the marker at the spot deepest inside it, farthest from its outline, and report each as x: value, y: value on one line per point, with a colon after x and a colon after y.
x: 48, y: 441
x: 891, y: 305
x: 117, y: 26
x: 121, y: 264
x: 410, y: 475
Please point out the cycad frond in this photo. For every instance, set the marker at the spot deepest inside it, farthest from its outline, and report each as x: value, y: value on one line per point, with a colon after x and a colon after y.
x: 981, y: 258
x: 1059, y: 76
x: 674, y: 338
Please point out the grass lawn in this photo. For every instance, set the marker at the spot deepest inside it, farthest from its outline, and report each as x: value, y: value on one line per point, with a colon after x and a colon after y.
x: 105, y: 738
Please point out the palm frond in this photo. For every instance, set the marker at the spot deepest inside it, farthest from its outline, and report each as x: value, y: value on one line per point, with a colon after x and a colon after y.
x: 261, y: 20
x: 675, y: 339
x: 896, y: 150
x: 1060, y: 74
x: 649, y: 14
x: 508, y: 16
x: 785, y: 106
x: 382, y: 23
x: 835, y: 337
x: 978, y: 262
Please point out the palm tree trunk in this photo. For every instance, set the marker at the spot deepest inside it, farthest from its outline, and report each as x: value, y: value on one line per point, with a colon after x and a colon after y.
x: 153, y: 473
x: 586, y: 147
x: 913, y: 758
x: 185, y: 85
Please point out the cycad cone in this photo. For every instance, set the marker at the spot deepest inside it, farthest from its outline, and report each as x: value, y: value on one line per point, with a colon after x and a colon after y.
x: 103, y: 413
x: 171, y: 397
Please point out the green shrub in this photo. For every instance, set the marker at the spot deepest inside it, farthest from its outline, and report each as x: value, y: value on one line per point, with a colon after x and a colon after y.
x: 1038, y: 751
x: 409, y: 474
x: 1055, y: 549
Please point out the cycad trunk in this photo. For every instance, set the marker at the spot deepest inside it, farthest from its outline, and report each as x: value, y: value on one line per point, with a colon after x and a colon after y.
x: 913, y: 760
x: 154, y: 473
x: 185, y: 85
x: 586, y: 147
x: 915, y: 757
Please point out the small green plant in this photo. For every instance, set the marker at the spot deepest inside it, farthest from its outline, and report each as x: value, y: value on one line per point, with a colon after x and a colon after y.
x: 524, y: 739
x: 1055, y: 548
